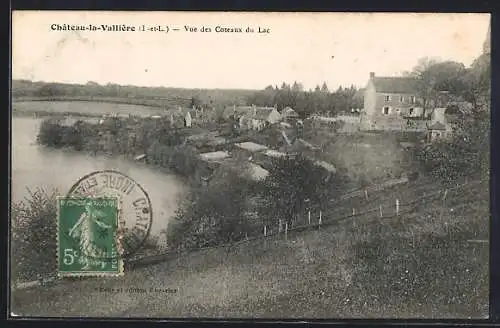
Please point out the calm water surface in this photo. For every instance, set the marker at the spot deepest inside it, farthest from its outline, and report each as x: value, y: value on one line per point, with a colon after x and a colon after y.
x: 36, y: 166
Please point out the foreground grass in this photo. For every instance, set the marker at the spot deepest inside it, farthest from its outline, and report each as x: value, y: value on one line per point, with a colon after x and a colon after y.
x: 419, y: 265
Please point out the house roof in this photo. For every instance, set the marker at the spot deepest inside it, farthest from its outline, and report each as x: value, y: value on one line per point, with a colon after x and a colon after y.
x: 274, y: 153
x: 216, y: 155
x: 395, y: 84
x: 257, y: 172
x: 262, y: 113
x: 251, y: 146
x: 325, y: 165
x: 289, y: 112
x: 436, y: 126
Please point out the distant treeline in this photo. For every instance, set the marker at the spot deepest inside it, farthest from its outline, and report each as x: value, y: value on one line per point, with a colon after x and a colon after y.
x: 153, y: 96
x: 305, y: 102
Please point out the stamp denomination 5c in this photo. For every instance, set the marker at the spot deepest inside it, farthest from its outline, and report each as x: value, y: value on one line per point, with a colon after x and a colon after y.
x: 88, y: 244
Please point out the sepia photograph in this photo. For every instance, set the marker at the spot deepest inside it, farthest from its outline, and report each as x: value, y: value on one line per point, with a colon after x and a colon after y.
x: 250, y: 165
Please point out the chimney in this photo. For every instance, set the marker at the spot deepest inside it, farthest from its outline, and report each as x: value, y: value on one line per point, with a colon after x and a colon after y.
x: 372, y: 75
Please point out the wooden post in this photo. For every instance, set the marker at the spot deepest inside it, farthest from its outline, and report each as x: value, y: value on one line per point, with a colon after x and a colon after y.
x: 380, y: 208
x: 286, y: 230
x: 320, y: 216
x: 366, y: 194
x: 309, y: 217
x: 353, y: 212
x: 397, y: 206
x: 265, y: 237
x: 319, y: 221
x: 442, y: 204
x: 280, y: 226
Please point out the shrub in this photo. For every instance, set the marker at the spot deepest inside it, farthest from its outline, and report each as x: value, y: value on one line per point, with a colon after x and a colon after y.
x: 34, y: 233
x: 50, y: 133
x: 466, y: 154
x: 212, y: 216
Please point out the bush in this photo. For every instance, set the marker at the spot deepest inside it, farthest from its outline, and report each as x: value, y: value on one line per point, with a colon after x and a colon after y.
x: 34, y: 233
x: 466, y: 154
x: 212, y: 216
x: 50, y: 133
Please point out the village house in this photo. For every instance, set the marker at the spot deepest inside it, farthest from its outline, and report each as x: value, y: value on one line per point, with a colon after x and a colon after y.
x: 437, y: 130
x: 258, y: 118
x: 289, y: 115
x: 388, y: 101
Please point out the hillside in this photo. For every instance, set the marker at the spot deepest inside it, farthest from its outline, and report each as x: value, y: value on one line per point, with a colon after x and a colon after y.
x: 415, y: 265
x: 151, y: 96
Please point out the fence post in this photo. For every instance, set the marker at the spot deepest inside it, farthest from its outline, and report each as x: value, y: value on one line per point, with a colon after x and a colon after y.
x: 319, y: 221
x: 380, y: 208
x: 309, y: 217
x: 366, y: 194
x: 280, y: 226
x: 265, y: 235
x: 442, y: 204
x: 286, y: 230
x: 397, y: 206
x: 353, y: 212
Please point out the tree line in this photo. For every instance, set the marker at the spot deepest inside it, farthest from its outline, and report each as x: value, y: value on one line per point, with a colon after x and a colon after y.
x: 307, y: 102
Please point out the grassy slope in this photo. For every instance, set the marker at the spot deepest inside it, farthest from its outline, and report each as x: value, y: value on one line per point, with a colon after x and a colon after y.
x: 414, y: 266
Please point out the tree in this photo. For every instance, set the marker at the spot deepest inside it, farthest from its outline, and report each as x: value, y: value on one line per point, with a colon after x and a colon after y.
x: 434, y: 76
x: 425, y: 80
x: 290, y: 183
x: 214, y: 215
x: 477, y: 83
x: 324, y: 88
x: 467, y: 153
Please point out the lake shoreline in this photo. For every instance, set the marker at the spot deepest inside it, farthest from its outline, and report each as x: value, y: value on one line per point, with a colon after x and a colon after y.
x: 38, y: 166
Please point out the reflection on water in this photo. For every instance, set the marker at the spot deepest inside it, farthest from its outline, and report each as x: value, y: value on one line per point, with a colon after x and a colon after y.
x: 35, y: 166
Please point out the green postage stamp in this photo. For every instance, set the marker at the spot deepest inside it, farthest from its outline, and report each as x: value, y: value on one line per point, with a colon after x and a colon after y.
x: 88, y: 241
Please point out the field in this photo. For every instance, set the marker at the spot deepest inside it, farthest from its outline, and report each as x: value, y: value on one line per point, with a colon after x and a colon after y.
x: 421, y: 264
x: 86, y: 108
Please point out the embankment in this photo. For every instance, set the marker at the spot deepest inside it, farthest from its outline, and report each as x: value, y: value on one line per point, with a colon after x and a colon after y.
x: 418, y: 265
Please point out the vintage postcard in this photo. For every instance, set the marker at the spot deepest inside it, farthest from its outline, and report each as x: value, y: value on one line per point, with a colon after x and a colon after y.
x: 250, y: 165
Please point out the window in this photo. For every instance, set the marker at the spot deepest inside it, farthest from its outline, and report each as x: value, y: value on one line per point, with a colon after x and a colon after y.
x: 411, y: 111
x: 385, y: 110
x: 387, y: 98
x: 412, y: 99
x: 402, y: 99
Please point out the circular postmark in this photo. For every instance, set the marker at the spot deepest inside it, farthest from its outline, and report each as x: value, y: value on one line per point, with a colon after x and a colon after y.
x: 135, y: 212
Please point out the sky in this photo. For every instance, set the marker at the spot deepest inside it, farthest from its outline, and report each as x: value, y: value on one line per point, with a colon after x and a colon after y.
x: 340, y: 49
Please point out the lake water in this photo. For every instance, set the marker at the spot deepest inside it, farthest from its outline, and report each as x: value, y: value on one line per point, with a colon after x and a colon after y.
x: 35, y: 166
